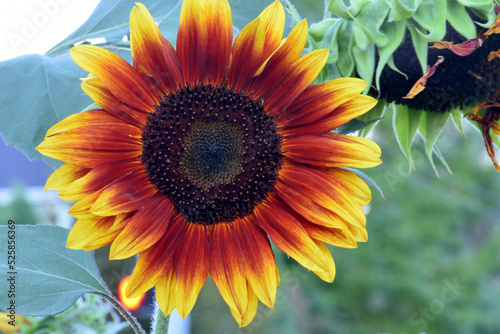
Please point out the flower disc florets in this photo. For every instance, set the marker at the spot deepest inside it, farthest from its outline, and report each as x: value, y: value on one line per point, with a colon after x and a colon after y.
x: 214, y: 152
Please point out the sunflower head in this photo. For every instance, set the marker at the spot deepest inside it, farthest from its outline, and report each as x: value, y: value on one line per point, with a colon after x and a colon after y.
x: 199, y: 156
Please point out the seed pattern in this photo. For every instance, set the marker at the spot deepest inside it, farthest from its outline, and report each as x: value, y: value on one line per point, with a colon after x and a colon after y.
x: 214, y: 152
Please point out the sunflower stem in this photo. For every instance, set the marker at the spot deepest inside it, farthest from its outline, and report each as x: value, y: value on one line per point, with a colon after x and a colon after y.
x: 160, y: 321
x: 124, y: 312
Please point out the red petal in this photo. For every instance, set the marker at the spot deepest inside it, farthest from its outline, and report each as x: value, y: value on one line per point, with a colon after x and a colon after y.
x: 279, y: 64
x: 219, y: 26
x: 192, y: 263
x: 300, y: 74
x: 247, y: 54
x: 101, y: 176
x: 257, y: 260
x: 120, y: 78
x: 89, y: 147
x: 225, y: 267
x: 323, y: 190
x: 288, y: 235
x: 192, y: 41
x: 154, y: 262
x: 332, y: 120
x: 332, y: 150
x: 151, y: 52
x: 93, y: 120
x: 125, y: 196
x: 318, y: 101
x: 98, y: 92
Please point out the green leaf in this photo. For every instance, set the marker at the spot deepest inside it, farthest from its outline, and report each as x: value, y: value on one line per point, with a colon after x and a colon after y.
x: 431, y: 16
x: 35, y: 93
x: 420, y: 46
x: 395, y: 33
x: 406, y: 123
x: 345, y: 42
x: 430, y: 127
x: 402, y: 9
x: 458, y: 117
x: 49, y: 278
x: 339, y: 8
x: 367, y: 25
x: 460, y: 20
x: 365, y: 63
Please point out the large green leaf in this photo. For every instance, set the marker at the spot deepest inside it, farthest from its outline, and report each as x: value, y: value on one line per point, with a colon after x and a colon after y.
x: 48, y: 277
x: 406, y: 123
x: 35, y: 93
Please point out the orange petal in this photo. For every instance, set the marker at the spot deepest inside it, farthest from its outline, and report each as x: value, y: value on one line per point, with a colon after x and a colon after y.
x: 80, y: 209
x: 120, y: 78
x: 247, y: 54
x: 192, y: 262
x: 101, y: 176
x: 94, y: 120
x: 279, y: 63
x: 247, y: 316
x: 125, y: 196
x: 351, y: 183
x: 327, y: 275
x: 192, y: 41
x: 316, y: 186
x: 165, y: 295
x: 107, y: 237
x: 332, y: 236
x: 151, y: 51
x: 65, y: 176
x: 273, y: 19
x: 318, y: 101
x: 154, y: 262
x: 332, y: 120
x: 144, y: 229
x: 89, y: 147
x: 289, y: 236
x: 307, y: 208
x: 87, y: 230
x: 257, y: 260
x: 300, y: 75
x: 332, y: 150
x: 225, y: 267
x: 97, y: 91
x: 219, y: 26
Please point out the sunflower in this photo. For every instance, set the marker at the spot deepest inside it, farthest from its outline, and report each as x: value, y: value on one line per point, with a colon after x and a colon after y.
x: 199, y: 157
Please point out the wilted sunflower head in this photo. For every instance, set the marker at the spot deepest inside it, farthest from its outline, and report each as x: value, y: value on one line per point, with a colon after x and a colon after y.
x: 427, y: 60
x: 198, y: 156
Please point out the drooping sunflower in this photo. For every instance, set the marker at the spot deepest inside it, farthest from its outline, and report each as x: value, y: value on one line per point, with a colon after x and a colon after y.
x: 199, y: 157
x: 426, y: 60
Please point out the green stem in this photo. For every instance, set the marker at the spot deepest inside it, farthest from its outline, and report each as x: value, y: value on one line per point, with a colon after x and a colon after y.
x: 124, y: 312
x: 160, y: 321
